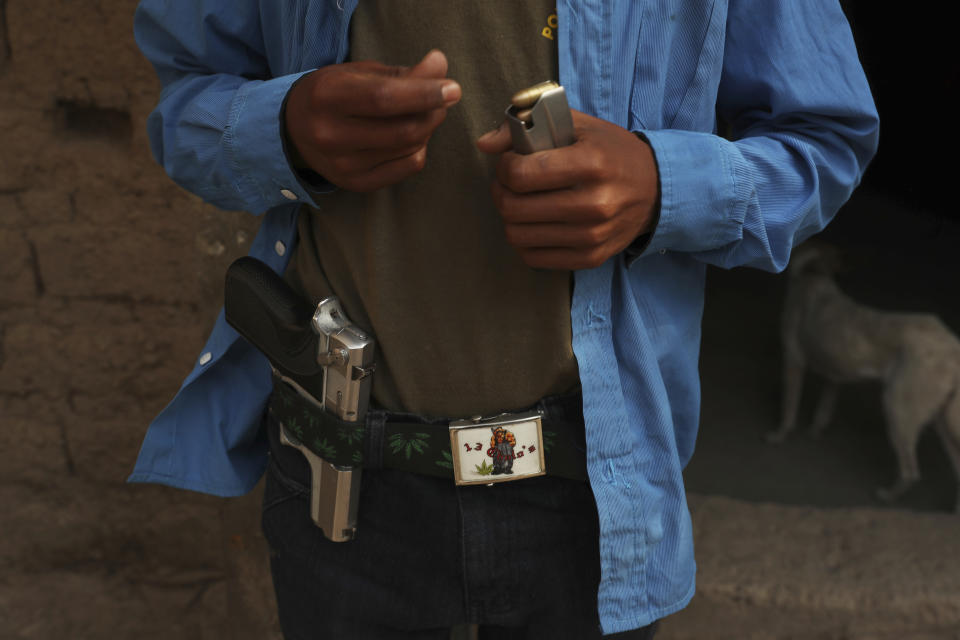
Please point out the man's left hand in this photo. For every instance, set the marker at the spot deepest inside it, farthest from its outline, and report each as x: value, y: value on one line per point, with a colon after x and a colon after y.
x: 576, y: 206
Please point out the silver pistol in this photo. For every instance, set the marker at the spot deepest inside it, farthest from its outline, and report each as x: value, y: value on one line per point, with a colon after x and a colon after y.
x: 326, y: 358
x: 346, y: 355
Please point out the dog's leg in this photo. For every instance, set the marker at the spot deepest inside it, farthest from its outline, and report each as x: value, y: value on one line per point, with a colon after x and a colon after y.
x: 903, y: 437
x: 825, y: 407
x: 793, y: 370
x: 948, y: 427
x: 910, y: 401
x: 951, y: 442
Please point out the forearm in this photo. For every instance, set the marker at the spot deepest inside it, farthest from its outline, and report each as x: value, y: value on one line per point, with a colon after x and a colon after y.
x: 748, y: 202
x: 804, y: 129
x: 216, y: 129
x: 219, y: 137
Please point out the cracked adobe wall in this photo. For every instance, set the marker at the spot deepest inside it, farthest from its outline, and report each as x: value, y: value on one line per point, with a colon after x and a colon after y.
x: 111, y: 274
x: 109, y: 279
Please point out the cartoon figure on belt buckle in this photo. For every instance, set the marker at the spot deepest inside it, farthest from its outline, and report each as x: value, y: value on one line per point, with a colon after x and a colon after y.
x: 501, y: 450
x: 515, y: 448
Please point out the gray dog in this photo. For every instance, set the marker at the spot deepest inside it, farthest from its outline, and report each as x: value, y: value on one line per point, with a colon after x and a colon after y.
x: 915, y: 355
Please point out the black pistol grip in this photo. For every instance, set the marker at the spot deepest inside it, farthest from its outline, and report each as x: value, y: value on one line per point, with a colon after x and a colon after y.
x: 271, y: 316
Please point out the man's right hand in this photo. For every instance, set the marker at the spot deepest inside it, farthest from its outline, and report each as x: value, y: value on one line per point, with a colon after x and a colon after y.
x: 365, y: 125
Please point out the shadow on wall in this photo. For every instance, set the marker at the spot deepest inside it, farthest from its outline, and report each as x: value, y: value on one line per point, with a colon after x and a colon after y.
x: 89, y: 120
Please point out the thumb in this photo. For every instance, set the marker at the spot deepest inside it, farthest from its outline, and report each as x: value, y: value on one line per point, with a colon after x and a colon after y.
x: 433, y: 65
x: 496, y: 141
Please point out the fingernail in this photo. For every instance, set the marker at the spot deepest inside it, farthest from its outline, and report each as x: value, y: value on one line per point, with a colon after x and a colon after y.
x: 451, y: 92
x: 491, y: 133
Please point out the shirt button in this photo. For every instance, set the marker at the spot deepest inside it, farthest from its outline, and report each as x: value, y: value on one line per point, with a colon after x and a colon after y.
x: 663, y: 252
x: 289, y: 195
x: 205, y: 358
x: 280, y: 248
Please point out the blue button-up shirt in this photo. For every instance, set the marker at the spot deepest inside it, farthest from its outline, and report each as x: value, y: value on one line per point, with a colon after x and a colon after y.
x: 800, y: 128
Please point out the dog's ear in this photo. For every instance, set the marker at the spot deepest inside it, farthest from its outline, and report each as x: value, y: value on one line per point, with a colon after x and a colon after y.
x: 815, y: 257
x: 833, y: 259
x: 803, y: 259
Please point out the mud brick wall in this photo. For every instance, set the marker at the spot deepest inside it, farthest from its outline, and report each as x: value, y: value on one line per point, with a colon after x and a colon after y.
x: 110, y: 276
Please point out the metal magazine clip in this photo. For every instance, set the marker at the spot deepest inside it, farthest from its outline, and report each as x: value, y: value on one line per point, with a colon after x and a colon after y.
x: 539, y: 118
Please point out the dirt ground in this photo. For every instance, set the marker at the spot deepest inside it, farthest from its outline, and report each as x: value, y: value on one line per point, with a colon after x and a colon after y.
x: 111, y: 276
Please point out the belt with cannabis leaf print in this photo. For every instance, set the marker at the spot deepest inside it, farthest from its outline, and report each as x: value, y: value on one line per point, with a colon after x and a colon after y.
x: 417, y: 444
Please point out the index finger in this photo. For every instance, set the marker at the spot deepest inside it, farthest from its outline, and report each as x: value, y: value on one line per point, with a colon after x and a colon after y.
x: 379, y: 96
x: 547, y: 170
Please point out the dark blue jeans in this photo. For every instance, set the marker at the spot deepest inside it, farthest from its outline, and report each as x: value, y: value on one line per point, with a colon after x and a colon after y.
x: 518, y: 558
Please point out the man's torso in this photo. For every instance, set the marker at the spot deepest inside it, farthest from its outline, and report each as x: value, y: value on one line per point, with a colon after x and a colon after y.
x: 463, y: 326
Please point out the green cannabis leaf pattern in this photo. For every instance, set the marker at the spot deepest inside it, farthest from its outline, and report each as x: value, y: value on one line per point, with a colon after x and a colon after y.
x: 447, y: 462
x: 324, y: 448
x: 408, y: 443
x: 294, y: 427
x: 311, y: 418
x: 351, y: 434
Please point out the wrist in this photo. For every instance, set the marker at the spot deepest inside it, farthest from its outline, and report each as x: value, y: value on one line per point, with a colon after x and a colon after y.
x: 643, y: 240
x: 289, y: 146
x: 313, y: 182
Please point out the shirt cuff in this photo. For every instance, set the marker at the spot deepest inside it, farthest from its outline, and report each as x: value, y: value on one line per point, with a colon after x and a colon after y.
x: 642, y: 242
x: 703, y: 191
x: 257, y: 151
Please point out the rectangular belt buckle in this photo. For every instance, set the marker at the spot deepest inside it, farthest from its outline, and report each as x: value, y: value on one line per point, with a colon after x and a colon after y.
x: 498, y: 449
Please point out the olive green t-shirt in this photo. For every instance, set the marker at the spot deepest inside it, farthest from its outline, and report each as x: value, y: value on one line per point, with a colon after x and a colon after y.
x: 463, y: 326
